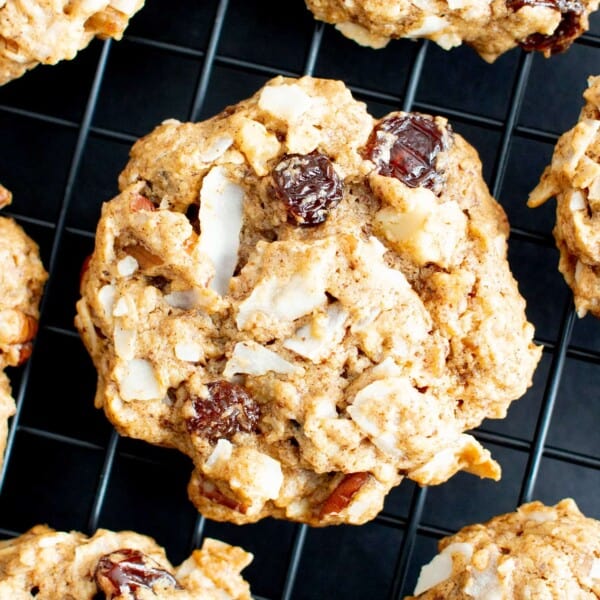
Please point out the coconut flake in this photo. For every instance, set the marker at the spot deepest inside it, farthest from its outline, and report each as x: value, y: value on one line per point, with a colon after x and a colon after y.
x: 431, y: 24
x: 125, y: 340
x: 287, y: 102
x: 121, y: 308
x: 221, y: 453
x: 137, y: 381
x: 440, y: 568
x: 221, y: 217
x: 577, y: 201
x: 315, y: 341
x: 218, y: 147
x: 189, y: 351
x: 595, y: 570
x: 267, y: 476
x: 186, y: 299
x: 127, y: 266
x: 125, y: 6
x: 106, y: 297
x: 251, y: 358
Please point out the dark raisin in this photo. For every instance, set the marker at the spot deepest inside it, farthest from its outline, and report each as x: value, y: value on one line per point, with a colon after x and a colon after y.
x: 308, y: 186
x: 128, y: 570
x: 405, y: 146
x: 564, y: 6
x: 192, y: 214
x: 568, y: 30
x: 159, y: 282
x: 228, y: 409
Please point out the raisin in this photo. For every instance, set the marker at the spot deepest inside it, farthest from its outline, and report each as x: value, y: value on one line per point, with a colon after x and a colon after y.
x: 405, y: 146
x: 308, y: 186
x: 228, y: 409
x: 343, y: 493
x: 128, y: 570
x: 568, y: 30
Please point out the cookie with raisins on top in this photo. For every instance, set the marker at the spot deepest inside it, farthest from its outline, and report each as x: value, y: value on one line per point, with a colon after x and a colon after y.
x: 573, y: 178
x: 117, y: 566
x: 22, y: 278
x: 537, y: 551
x: 491, y: 27
x: 310, y: 303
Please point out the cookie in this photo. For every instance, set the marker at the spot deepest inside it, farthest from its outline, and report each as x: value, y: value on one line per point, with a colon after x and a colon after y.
x: 54, y: 565
x: 536, y: 552
x: 34, y: 32
x: 491, y: 27
x: 22, y: 279
x: 310, y: 303
x: 573, y: 177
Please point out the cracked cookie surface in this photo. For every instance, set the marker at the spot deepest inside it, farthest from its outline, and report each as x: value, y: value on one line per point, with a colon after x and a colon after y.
x: 573, y: 178
x: 54, y: 565
x: 310, y: 303
x: 34, y: 32
x: 536, y: 552
x: 22, y: 279
x: 491, y: 27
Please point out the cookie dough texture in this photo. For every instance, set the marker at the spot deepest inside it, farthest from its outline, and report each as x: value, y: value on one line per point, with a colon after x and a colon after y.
x: 536, y: 552
x: 22, y: 279
x: 54, y: 565
x: 34, y: 32
x: 305, y: 369
x: 573, y: 178
x: 491, y: 27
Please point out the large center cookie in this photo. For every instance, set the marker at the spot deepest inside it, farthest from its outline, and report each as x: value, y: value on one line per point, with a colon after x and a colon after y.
x: 310, y: 303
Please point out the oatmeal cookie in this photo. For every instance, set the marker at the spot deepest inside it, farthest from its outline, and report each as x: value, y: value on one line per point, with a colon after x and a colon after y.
x: 48, y: 31
x: 491, y: 27
x: 310, y: 303
x: 536, y: 552
x: 22, y: 279
x: 54, y: 565
x: 573, y: 177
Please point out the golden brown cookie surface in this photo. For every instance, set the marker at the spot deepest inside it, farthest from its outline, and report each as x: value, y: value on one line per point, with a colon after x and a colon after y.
x: 34, y: 32
x: 536, y: 552
x: 309, y: 303
x: 22, y: 279
x: 490, y: 26
x: 573, y: 178
x: 54, y: 565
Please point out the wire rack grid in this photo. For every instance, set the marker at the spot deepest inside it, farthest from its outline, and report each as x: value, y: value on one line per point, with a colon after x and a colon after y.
x: 66, y: 131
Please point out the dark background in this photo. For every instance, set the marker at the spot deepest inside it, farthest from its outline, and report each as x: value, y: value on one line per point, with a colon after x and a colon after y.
x: 65, y: 132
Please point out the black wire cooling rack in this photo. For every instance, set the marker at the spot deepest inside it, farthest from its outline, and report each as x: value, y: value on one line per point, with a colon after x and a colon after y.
x: 65, y: 133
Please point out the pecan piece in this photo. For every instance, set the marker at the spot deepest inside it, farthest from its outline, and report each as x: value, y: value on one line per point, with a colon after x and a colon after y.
x: 341, y: 496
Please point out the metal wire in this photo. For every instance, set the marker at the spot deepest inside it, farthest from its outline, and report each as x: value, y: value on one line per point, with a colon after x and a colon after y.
x: 210, y: 57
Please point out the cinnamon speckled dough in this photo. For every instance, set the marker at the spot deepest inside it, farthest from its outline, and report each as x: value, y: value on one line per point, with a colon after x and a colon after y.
x: 22, y: 279
x: 536, y: 552
x: 491, y: 27
x: 305, y: 369
x: 59, y: 565
x: 573, y: 177
x: 47, y: 31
